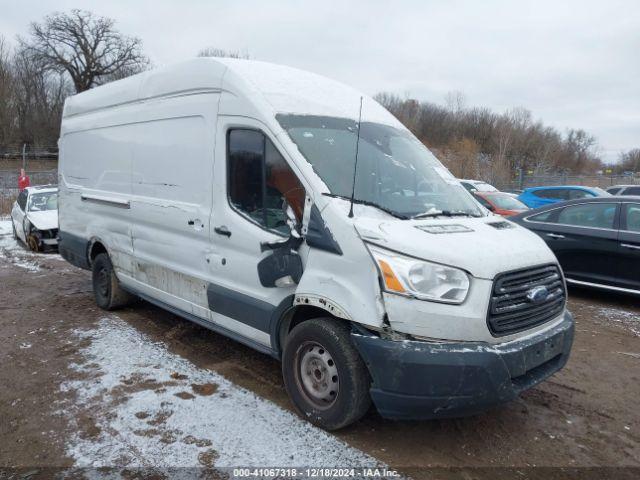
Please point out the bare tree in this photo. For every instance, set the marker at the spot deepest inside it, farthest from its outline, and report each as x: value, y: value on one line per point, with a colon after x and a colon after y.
x: 494, y: 146
x: 38, y: 99
x: 6, y: 93
x: 455, y: 101
x: 31, y: 99
x: 630, y: 161
x: 219, y: 52
x: 85, y: 46
x: 463, y: 159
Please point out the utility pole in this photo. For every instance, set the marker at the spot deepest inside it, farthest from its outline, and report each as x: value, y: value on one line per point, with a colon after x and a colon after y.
x: 520, y: 178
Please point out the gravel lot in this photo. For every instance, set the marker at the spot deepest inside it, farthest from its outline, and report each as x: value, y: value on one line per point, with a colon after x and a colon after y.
x: 143, y: 388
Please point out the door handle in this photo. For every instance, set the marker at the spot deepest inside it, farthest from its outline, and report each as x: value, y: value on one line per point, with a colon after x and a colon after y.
x: 555, y: 235
x: 222, y: 230
x: 632, y: 247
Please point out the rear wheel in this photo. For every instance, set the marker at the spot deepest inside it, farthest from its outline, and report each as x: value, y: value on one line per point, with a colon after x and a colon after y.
x: 108, y: 293
x: 324, y: 375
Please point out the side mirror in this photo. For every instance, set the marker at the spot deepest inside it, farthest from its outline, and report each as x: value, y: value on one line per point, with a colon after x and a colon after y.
x: 283, y: 268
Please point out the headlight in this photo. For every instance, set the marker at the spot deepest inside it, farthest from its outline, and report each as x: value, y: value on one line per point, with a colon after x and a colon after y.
x: 420, y: 279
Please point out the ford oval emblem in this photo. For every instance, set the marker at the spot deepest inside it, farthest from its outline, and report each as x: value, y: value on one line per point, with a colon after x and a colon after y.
x: 538, y: 294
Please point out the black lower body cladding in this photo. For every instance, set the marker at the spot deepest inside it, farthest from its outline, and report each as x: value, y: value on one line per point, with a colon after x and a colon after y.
x: 421, y: 380
x: 73, y: 249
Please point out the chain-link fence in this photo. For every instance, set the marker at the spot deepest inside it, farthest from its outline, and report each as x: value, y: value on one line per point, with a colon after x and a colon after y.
x: 39, y: 161
x: 29, y: 151
x: 9, y: 185
x: 602, y: 181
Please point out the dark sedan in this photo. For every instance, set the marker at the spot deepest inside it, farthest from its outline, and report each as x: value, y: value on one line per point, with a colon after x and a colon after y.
x: 596, y: 240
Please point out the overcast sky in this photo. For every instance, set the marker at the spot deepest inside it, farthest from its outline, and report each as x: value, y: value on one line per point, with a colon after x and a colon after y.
x: 574, y: 64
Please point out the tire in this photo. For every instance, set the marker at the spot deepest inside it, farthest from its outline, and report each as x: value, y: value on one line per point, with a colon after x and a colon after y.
x: 319, y: 359
x: 33, y: 242
x: 108, y: 293
x: 13, y: 228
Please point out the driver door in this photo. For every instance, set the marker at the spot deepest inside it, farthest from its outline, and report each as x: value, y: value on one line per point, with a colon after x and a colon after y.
x: 248, y: 211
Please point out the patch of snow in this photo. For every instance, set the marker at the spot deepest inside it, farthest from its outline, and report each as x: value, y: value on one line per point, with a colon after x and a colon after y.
x: 5, y: 227
x: 17, y: 254
x: 30, y: 266
x: 627, y: 319
x: 166, y: 422
x: 291, y: 90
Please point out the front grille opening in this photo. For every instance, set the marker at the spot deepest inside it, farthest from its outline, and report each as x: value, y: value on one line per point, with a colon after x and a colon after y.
x: 510, y: 308
x: 533, y: 376
x: 52, y: 233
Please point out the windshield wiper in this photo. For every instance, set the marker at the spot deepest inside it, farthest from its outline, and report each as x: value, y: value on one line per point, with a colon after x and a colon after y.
x: 369, y: 204
x: 445, y: 213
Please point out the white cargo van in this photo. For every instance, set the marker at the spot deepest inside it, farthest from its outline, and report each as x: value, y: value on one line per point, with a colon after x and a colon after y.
x: 222, y: 191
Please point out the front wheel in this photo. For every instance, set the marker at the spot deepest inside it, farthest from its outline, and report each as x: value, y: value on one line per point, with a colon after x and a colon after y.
x: 324, y: 375
x: 34, y: 242
x: 106, y: 287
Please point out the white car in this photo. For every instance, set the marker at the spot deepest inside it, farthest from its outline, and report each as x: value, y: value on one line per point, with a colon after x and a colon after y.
x: 477, y: 186
x: 35, y: 217
x: 480, y: 186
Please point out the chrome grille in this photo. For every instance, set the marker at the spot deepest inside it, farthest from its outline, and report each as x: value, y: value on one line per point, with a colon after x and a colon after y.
x: 512, y: 308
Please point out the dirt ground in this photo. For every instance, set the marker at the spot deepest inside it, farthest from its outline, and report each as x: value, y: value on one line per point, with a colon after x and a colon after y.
x: 584, y: 417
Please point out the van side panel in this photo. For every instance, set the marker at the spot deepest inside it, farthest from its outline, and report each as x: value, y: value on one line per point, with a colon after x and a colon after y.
x: 95, y: 185
x: 172, y: 184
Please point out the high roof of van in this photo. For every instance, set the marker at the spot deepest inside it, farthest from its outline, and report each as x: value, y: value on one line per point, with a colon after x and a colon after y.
x: 271, y: 88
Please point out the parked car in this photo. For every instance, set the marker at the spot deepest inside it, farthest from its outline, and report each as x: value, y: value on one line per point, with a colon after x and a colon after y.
x: 35, y: 217
x: 596, y: 240
x: 223, y: 190
x: 501, y: 203
x: 477, y: 186
x: 540, y: 196
x: 624, y: 190
x: 512, y: 193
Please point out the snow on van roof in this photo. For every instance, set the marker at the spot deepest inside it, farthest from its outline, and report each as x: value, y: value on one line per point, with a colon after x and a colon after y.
x: 282, y: 89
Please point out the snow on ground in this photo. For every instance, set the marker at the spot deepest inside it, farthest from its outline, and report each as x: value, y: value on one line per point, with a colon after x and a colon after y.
x: 153, y: 408
x: 17, y: 253
x: 627, y: 319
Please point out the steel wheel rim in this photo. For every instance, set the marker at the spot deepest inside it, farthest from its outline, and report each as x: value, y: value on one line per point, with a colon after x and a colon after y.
x: 317, y: 375
x: 103, y: 282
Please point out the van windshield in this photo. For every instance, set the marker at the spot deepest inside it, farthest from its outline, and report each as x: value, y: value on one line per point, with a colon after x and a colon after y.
x: 395, y: 172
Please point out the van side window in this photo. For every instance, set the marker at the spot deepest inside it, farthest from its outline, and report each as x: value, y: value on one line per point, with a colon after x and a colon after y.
x: 259, y: 180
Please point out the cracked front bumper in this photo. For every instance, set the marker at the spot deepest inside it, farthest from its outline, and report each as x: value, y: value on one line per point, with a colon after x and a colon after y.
x: 422, y: 380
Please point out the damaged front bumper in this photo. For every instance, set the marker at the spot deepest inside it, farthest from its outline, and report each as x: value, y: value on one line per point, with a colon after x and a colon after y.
x: 43, y: 238
x: 423, y: 380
